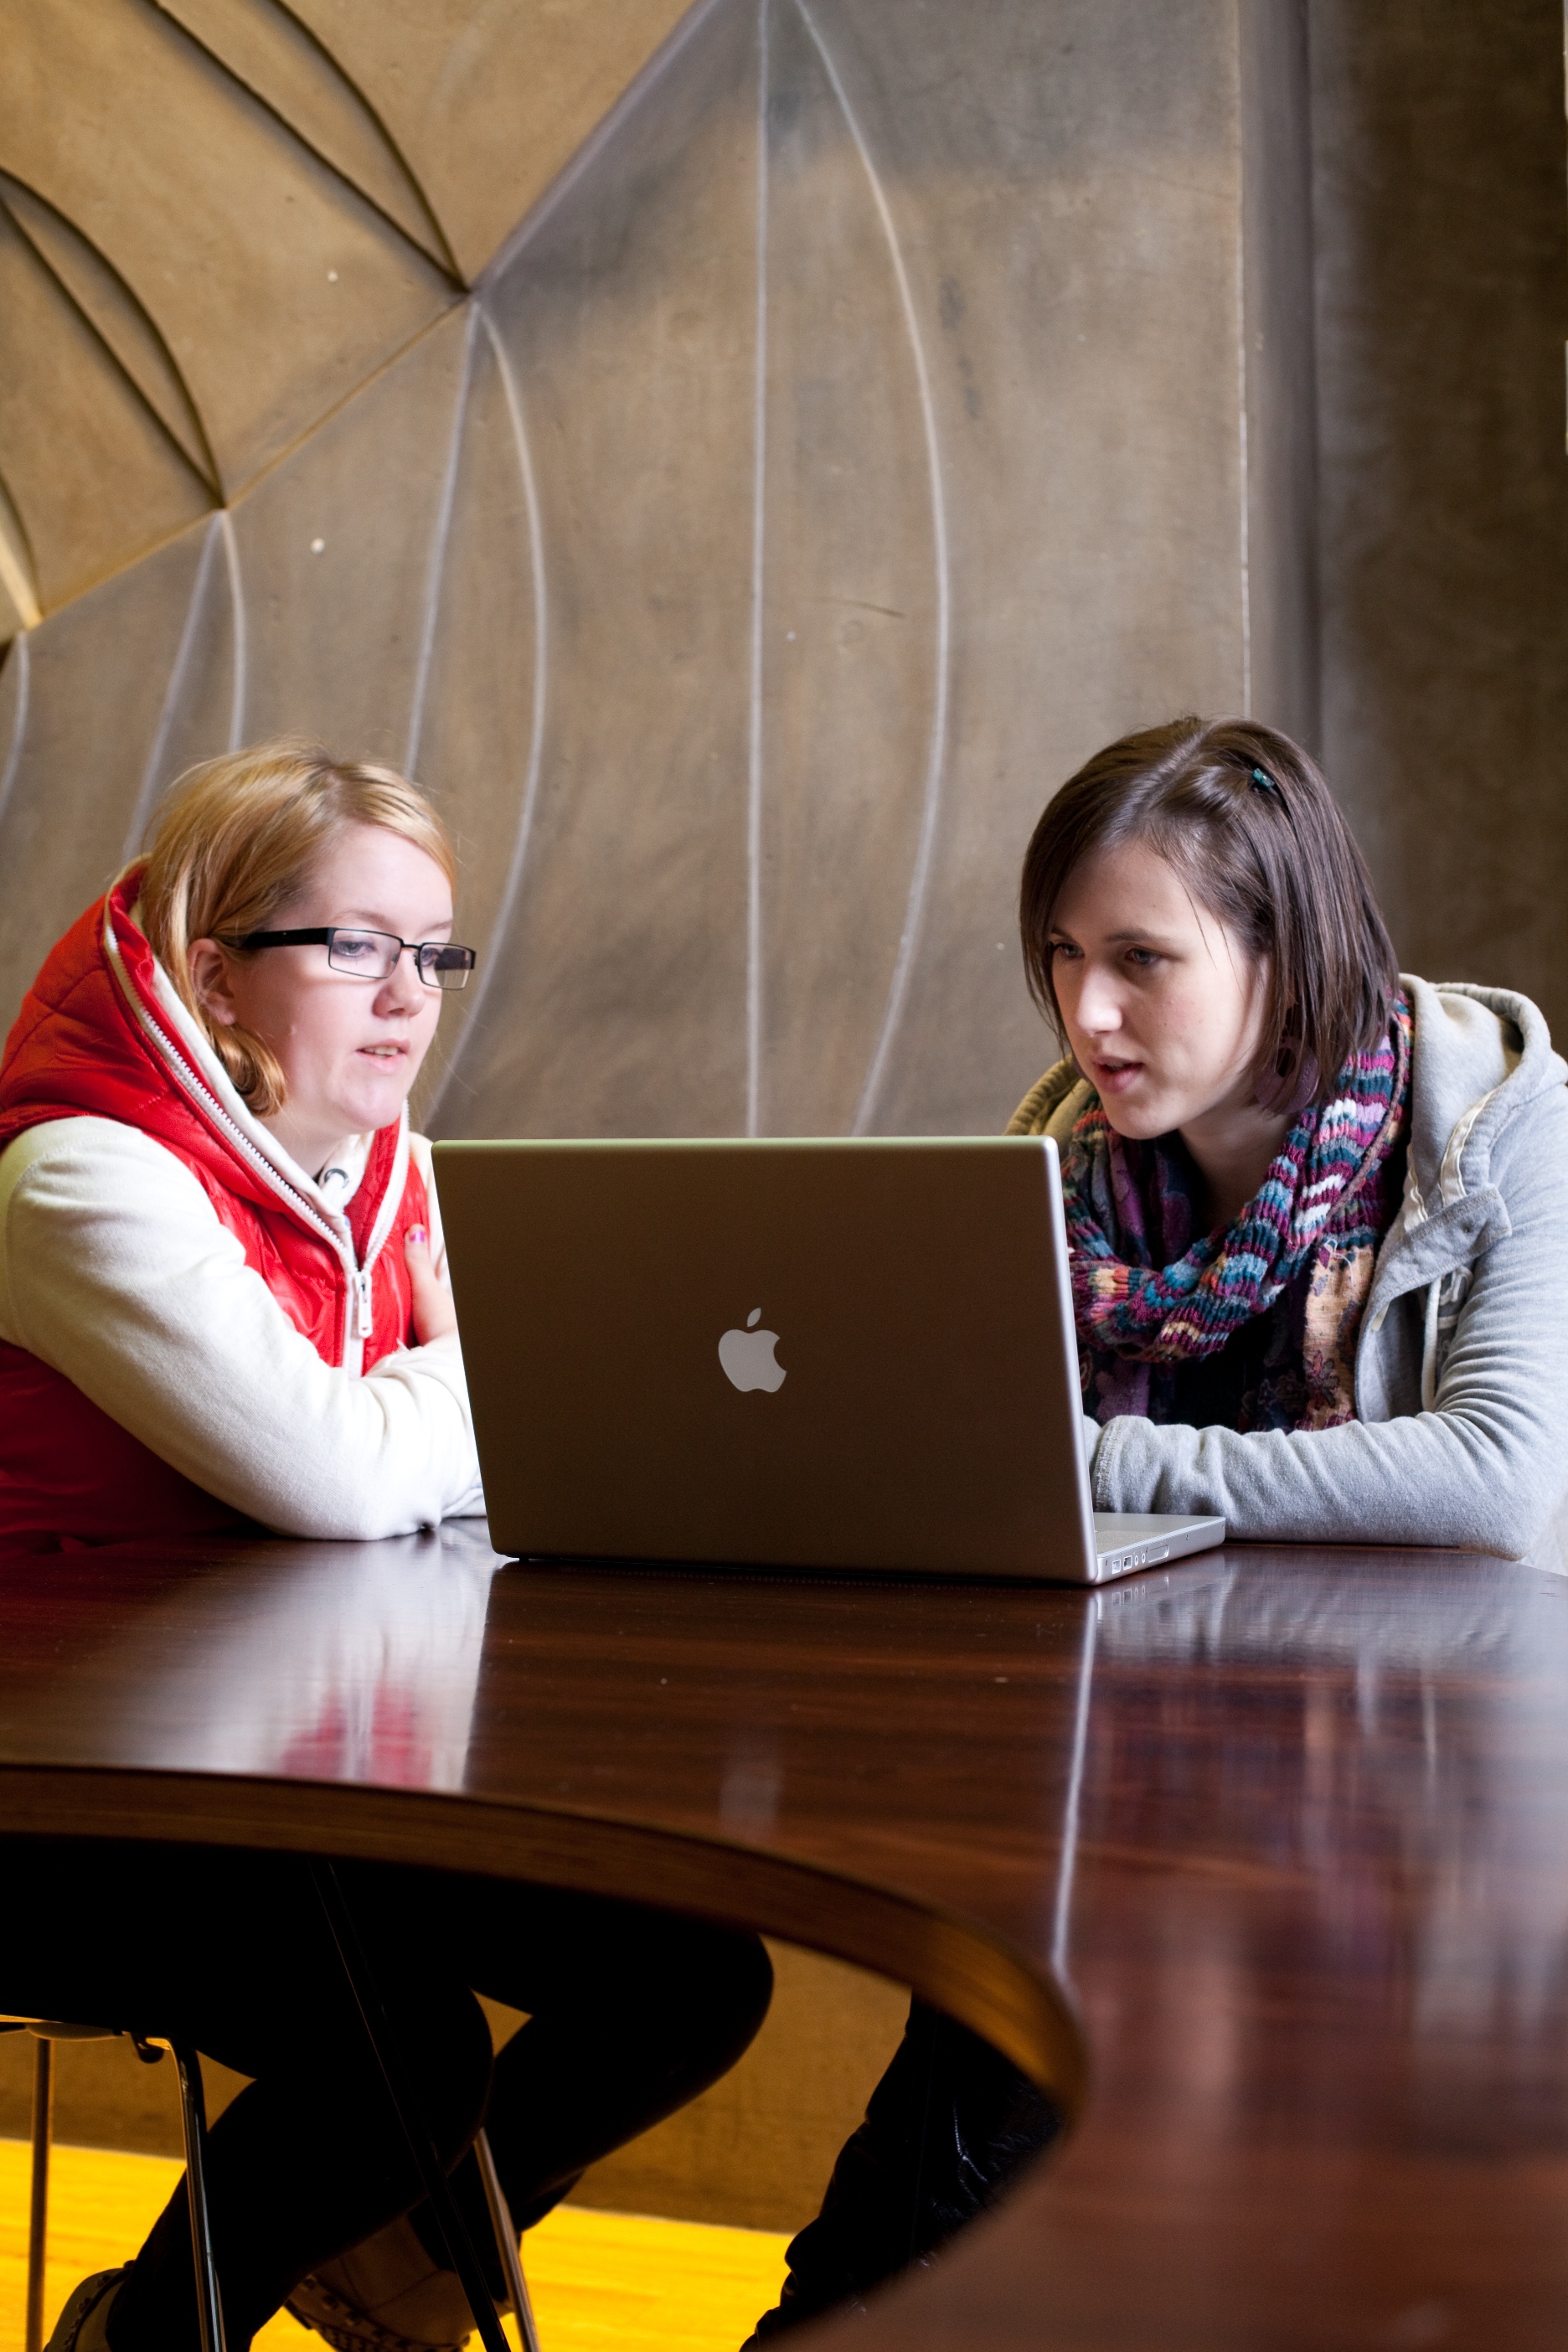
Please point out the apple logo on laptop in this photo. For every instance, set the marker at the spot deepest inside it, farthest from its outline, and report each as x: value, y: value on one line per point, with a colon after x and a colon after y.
x: 748, y: 1356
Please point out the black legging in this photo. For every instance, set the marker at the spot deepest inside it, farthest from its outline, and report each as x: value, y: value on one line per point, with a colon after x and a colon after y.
x: 947, y: 2127
x: 630, y: 2012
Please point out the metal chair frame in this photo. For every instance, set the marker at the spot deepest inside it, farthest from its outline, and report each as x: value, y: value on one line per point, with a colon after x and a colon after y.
x: 150, y: 2048
x: 383, y: 2040
x: 193, y: 2119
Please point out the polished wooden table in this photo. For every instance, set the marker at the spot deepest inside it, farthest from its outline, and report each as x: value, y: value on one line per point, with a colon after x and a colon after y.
x: 1261, y: 1861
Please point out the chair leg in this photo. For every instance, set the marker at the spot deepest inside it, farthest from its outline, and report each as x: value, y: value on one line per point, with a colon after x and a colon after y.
x: 506, y: 2244
x: 38, y: 2203
x: 192, y: 2116
x: 383, y: 2041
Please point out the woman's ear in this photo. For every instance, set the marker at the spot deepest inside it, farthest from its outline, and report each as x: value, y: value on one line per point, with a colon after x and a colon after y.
x: 210, y: 980
x: 1289, y: 1083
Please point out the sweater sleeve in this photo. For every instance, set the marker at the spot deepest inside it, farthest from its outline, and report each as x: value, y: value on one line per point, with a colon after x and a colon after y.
x: 116, y: 1270
x: 1480, y: 1472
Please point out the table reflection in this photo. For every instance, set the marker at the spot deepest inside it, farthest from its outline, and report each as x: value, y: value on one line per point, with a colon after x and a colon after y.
x: 1363, y: 1778
x: 356, y: 1663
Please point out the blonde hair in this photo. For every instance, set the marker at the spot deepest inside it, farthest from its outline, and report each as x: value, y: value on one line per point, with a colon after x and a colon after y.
x: 236, y: 840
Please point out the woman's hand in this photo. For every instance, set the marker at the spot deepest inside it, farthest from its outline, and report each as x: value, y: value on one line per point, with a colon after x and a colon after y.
x: 434, y: 1313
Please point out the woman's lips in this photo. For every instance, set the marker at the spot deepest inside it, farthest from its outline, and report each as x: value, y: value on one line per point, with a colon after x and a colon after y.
x: 1115, y: 1078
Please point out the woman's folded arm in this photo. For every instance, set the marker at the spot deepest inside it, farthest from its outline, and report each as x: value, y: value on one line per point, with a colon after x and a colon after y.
x: 1483, y: 1471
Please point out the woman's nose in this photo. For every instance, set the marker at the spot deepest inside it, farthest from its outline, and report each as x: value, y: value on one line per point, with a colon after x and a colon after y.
x: 403, y: 986
x: 1099, y: 1005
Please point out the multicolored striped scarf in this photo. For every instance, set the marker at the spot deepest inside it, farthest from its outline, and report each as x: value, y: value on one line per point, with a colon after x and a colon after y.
x: 1280, y: 1292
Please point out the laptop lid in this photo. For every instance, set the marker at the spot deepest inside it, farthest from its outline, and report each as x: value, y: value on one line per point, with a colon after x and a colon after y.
x: 852, y: 1354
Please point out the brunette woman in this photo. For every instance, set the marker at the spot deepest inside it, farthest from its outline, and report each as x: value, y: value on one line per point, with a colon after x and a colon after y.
x: 1318, y: 1210
x: 1319, y: 1218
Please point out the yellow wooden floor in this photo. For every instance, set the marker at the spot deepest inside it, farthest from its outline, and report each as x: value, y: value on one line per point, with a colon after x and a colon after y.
x: 600, y: 2282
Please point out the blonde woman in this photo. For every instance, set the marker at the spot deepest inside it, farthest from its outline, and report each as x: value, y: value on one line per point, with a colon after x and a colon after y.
x: 219, y: 1303
x: 222, y: 1307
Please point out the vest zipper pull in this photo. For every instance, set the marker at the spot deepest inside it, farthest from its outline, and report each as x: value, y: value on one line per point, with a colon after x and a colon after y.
x: 362, y: 1318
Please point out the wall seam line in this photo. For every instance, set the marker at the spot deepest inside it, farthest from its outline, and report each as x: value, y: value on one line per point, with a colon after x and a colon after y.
x: 754, y: 705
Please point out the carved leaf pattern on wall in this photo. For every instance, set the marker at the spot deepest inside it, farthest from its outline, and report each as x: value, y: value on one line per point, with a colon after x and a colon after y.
x: 705, y: 446
x: 582, y: 555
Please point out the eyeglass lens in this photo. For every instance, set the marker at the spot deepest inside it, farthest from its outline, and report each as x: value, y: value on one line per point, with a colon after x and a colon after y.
x: 373, y: 955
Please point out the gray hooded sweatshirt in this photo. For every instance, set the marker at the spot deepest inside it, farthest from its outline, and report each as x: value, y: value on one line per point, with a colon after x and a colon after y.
x: 1461, y: 1433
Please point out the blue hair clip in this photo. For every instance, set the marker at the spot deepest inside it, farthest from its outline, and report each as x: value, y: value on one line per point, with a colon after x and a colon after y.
x: 1265, y: 783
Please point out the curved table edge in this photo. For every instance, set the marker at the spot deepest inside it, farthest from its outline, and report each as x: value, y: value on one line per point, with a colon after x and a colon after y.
x: 957, y: 1965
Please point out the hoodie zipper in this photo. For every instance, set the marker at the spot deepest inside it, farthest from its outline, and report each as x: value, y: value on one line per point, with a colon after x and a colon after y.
x: 358, y: 1277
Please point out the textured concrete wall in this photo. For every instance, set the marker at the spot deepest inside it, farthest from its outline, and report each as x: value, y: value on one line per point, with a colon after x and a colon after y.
x: 1277, y: 361
x: 864, y: 426
x: 1443, y: 291
x: 397, y: 378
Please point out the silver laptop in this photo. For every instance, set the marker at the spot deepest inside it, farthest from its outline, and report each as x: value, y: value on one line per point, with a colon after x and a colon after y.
x: 818, y: 1355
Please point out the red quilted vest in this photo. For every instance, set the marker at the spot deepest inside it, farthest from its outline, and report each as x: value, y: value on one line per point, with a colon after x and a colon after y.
x: 92, y: 1038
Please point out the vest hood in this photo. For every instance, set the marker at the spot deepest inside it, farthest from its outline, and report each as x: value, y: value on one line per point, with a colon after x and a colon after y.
x: 102, y: 1033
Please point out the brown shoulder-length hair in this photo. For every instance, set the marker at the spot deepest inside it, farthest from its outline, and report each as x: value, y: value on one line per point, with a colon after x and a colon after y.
x: 1244, y: 815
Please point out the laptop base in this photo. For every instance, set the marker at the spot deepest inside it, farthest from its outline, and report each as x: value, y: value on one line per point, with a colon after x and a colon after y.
x: 1127, y: 1540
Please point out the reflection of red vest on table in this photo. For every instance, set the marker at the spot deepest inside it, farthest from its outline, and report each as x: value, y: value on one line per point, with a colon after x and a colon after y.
x: 93, y: 1039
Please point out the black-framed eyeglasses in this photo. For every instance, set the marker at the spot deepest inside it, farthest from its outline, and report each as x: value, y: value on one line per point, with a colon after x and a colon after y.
x: 375, y: 955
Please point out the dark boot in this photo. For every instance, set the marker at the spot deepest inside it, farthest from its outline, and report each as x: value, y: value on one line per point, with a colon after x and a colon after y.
x: 947, y: 2125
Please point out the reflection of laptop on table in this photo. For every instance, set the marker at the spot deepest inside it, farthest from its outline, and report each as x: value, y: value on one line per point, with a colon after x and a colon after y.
x: 826, y: 1355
